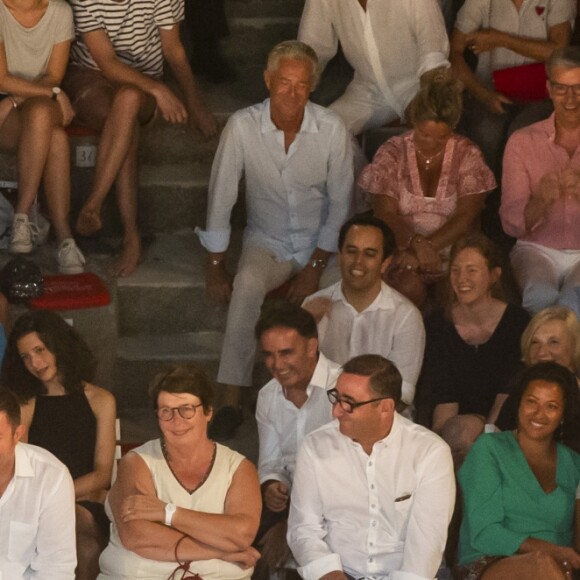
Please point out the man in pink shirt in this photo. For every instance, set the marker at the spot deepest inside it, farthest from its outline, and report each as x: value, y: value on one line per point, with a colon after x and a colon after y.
x: 541, y: 194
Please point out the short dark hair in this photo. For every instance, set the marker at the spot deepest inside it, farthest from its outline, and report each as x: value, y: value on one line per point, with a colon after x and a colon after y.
x: 385, y: 378
x: 281, y: 313
x: 75, y: 362
x: 566, y: 57
x: 366, y: 220
x: 552, y: 372
x: 183, y: 378
x: 9, y: 405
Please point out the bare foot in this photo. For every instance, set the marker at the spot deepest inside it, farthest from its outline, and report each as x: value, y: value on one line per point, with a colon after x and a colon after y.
x: 88, y: 222
x: 129, y: 259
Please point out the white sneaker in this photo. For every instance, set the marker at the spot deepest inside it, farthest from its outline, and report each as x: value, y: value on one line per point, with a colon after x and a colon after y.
x: 21, y: 236
x: 70, y: 259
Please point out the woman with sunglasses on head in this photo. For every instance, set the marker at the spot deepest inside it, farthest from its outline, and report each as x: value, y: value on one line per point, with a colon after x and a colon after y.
x: 49, y: 367
x: 182, y: 504
x: 519, y: 488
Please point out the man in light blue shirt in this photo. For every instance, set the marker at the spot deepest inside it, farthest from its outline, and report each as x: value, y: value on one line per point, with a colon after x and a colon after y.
x: 296, y: 159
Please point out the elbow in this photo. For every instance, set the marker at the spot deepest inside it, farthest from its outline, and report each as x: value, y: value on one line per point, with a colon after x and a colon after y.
x: 244, y: 534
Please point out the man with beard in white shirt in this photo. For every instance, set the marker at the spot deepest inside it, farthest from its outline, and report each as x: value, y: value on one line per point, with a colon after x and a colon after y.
x: 361, y: 314
x: 290, y: 406
x: 373, y: 492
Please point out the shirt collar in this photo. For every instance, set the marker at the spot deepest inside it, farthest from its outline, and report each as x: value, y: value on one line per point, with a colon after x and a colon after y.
x: 309, y: 124
x: 549, y: 125
x: 320, y: 376
x: 383, y: 301
x: 22, y: 467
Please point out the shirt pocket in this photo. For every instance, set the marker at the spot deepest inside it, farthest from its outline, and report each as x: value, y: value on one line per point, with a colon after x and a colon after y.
x: 21, y: 542
x: 402, y: 513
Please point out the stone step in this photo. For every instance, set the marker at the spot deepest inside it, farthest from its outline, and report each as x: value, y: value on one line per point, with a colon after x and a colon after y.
x: 166, y: 294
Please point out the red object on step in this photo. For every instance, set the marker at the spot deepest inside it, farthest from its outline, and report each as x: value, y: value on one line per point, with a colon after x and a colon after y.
x: 72, y: 292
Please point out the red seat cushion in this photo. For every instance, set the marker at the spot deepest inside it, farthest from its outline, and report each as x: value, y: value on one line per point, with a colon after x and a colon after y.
x: 72, y: 292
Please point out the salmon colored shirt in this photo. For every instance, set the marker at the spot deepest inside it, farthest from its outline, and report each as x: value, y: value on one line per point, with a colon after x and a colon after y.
x: 533, y: 160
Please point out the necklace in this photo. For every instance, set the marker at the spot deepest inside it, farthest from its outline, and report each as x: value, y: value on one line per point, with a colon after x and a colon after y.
x: 189, y: 490
x: 428, y: 161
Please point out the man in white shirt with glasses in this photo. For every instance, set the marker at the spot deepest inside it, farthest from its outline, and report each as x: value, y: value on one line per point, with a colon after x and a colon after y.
x: 373, y: 493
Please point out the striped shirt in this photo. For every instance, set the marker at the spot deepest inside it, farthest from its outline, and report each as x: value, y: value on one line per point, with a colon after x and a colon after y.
x: 132, y: 27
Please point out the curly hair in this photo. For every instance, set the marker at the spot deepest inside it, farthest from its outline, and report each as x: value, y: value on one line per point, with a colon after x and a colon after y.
x: 75, y: 361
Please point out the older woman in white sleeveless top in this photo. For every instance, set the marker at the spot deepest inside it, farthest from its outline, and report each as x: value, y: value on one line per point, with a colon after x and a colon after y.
x: 182, y: 502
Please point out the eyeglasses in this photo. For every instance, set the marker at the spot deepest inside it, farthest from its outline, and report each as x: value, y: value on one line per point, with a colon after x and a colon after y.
x: 349, y: 406
x: 185, y: 411
x: 561, y: 89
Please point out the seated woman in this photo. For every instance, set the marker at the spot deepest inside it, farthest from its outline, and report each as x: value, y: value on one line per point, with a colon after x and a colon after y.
x: 503, y: 35
x: 472, y: 349
x: 49, y: 366
x: 429, y: 186
x: 519, y: 488
x: 182, y: 502
x: 35, y: 38
x: 552, y: 335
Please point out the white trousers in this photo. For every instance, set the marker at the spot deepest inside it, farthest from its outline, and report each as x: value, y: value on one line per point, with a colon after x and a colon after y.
x: 546, y: 276
x: 258, y: 274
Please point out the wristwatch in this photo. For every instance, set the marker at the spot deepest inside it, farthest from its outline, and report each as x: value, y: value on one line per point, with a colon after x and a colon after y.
x: 55, y: 92
x: 317, y: 263
x: 170, y: 509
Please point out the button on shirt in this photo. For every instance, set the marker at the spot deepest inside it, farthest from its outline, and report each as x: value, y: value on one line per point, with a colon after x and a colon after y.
x: 390, y: 45
x: 391, y: 326
x: 296, y: 200
x: 37, y: 519
x: 282, y: 426
x: 383, y: 515
x: 532, y: 157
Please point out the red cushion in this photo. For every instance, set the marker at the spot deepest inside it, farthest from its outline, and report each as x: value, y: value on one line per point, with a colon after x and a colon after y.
x: 71, y: 292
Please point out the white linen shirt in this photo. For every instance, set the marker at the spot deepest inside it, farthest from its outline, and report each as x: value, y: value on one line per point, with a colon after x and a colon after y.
x: 282, y: 425
x: 37, y: 519
x: 389, y: 46
x: 391, y: 326
x: 377, y: 516
x: 532, y: 20
x: 296, y: 200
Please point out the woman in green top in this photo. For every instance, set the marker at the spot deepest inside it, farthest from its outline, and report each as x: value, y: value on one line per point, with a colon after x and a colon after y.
x: 519, y: 488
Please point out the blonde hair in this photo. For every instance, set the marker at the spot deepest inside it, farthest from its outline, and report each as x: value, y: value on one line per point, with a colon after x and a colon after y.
x: 439, y: 99
x: 553, y: 313
x: 295, y: 50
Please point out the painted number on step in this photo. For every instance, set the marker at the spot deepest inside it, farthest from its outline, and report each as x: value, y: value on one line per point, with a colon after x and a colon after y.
x: 86, y: 155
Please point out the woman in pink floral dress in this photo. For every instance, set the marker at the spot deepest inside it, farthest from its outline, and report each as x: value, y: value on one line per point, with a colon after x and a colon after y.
x: 429, y: 186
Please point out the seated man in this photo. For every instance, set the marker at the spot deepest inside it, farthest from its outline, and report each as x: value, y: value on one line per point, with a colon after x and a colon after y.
x: 373, y: 493
x: 390, y: 46
x: 115, y: 88
x: 290, y: 406
x: 361, y: 314
x: 540, y: 203
x: 37, y: 505
x: 296, y: 159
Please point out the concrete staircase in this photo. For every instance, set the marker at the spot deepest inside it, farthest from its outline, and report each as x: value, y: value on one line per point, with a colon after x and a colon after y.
x: 161, y: 314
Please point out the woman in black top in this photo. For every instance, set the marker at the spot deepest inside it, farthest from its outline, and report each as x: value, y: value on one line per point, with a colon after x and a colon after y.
x: 49, y: 366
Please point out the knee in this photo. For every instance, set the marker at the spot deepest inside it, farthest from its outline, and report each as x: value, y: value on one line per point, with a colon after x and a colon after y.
x: 460, y: 432
x: 250, y: 285
x: 39, y: 112
x: 570, y: 298
x: 539, y: 294
x: 546, y: 565
x: 128, y: 100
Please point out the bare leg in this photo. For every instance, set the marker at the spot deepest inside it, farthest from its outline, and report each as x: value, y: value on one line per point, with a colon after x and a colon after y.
x: 460, y: 432
x: 57, y: 183
x: 127, y: 186
x: 89, y: 545
x: 40, y: 116
x: 129, y: 104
